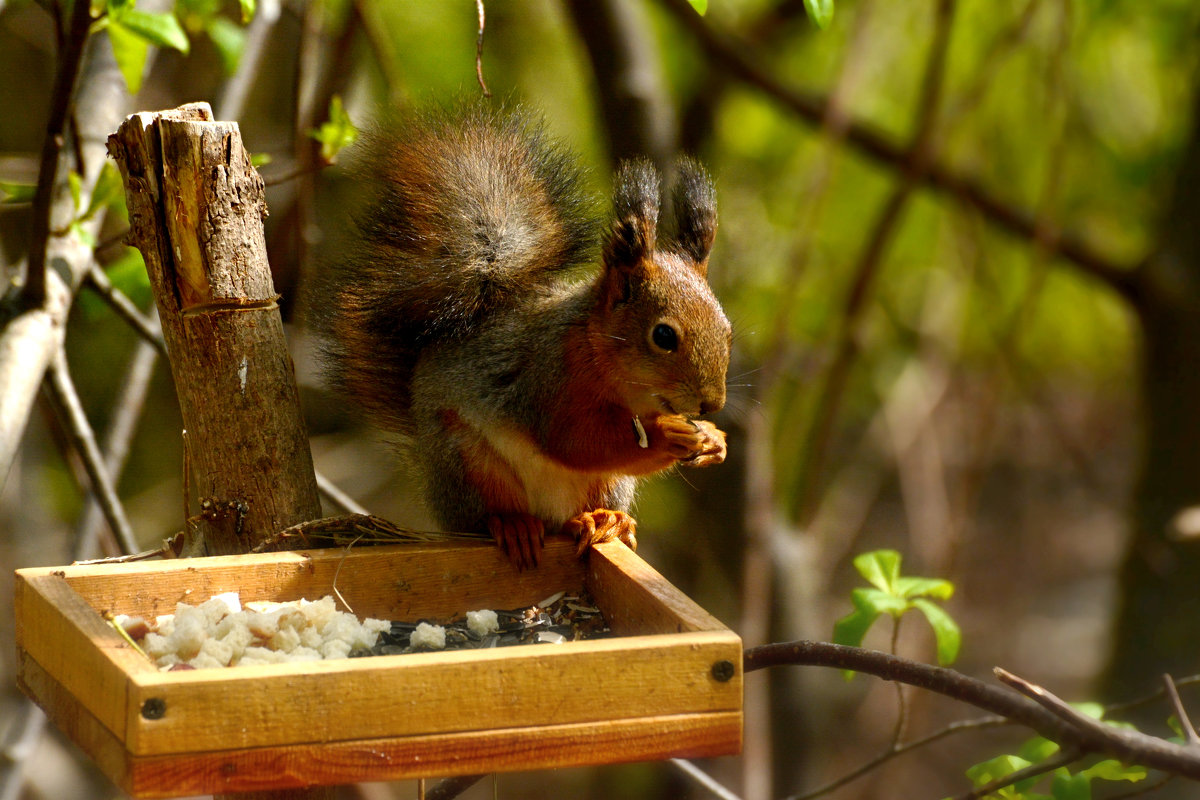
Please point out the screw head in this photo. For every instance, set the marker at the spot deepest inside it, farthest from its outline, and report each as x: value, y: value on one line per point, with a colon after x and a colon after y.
x: 154, y: 708
x: 723, y: 671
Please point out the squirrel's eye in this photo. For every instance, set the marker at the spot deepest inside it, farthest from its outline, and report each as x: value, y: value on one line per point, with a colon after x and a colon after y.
x: 664, y: 337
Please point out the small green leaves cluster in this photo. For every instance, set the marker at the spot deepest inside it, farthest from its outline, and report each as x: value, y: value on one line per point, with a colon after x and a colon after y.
x: 107, y: 192
x: 133, y: 31
x: 895, y: 595
x: 1061, y: 783
x: 336, y: 133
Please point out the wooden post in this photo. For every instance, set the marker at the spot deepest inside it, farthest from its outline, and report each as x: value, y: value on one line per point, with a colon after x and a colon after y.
x: 196, y: 207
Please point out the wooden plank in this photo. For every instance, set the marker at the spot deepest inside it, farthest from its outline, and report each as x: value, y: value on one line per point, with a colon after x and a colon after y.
x: 638, y: 600
x: 433, y: 693
x: 434, y: 581
x: 65, y: 710
x: 503, y: 750
x: 66, y: 636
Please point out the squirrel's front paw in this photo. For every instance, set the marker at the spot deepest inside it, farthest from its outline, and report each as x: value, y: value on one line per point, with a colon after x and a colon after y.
x: 519, y: 536
x: 693, y: 443
x: 602, y: 525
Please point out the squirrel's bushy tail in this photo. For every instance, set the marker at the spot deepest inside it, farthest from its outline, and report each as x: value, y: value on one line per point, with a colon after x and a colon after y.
x: 464, y: 212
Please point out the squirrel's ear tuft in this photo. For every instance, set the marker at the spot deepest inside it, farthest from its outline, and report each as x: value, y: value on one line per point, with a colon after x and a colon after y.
x: 635, y: 215
x: 694, y: 211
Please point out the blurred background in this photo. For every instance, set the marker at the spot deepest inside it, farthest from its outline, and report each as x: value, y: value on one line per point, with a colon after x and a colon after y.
x: 960, y: 246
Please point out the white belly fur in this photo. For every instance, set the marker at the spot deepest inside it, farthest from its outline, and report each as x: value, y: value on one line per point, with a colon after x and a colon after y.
x: 554, y: 493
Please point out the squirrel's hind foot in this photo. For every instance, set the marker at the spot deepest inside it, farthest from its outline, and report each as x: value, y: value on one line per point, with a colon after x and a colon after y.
x: 519, y: 536
x: 602, y: 525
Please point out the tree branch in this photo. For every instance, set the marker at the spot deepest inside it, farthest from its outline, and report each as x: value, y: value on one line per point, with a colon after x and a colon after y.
x: 916, y: 165
x: 1087, y: 735
x: 75, y: 422
x: 69, y: 58
x: 877, y: 146
x: 30, y: 340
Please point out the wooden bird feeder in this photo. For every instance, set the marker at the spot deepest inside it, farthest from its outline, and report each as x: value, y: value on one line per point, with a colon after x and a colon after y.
x: 668, y: 684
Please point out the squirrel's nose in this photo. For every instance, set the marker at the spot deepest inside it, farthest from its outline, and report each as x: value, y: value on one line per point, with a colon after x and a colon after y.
x: 714, y: 403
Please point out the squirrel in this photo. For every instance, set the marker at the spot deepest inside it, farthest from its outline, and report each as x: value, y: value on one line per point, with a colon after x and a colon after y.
x: 530, y: 398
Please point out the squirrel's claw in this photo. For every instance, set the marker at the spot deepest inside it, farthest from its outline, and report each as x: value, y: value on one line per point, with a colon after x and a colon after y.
x: 693, y: 443
x: 602, y: 525
x: 519, y: 536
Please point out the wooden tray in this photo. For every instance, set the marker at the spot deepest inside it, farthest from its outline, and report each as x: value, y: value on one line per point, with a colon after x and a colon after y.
x: 669, y: 685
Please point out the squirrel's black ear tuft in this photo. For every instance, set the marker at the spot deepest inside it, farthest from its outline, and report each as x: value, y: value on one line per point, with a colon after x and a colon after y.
x: 694, y: 211
x: 635, y: 214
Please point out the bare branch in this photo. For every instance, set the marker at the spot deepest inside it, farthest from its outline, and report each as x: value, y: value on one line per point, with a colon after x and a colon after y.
x: 915, y: 166
x: 335, y: 495
x: 127, y: 411
x: 1068, y: 728
x: 97, y: 280
x: 29, y: 341
x: 479, y: 48
x: 1181, y: 714
x: 69, y: 58
x: 703, y: 778
x: 877, y: 146
x: 66, y: 401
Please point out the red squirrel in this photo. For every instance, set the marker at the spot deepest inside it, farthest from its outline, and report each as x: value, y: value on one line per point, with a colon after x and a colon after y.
x: 461, y: 315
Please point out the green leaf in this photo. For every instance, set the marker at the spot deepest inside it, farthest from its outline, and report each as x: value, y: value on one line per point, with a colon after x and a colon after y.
x: 820, y: 12
x: 336, y: 133
x: 936, y: 588
x: 701, y: 6
x: 945, y: 630
x: 229, y: 39
x: 18, y: 192
x: 993, y: 769
x: 130, y: 51
x: 107, y: 192
x: 158, y: 29
x: 851, y: 629
x: 1039, y: 748
x: 879, y: 602
x: 1113, y: 770
x: 880, y: 568
x: 75, y: 184
x: 248, y: 8
x: 1071, y: 787
x: 260, y: 159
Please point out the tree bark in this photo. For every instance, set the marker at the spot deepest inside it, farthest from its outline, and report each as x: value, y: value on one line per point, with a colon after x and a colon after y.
x: 196, y: 208
x: 1156, y: 626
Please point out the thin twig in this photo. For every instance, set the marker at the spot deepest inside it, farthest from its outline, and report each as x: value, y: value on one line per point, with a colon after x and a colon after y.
x: 869, y: 263
x: 1117, y: 709
x: 1144, y: 789
x: 1059, y: 759
x: 97, y: 280
x: 335, y: 495
x: 703, y: 778
x: 479, y: 48
x: 69, y: 58
x: 1062, y: 724
x: 868, y: 140
x: 62, y: 392
x: 17, y: 754
x: 127, y: 410
x: 1185, y: 722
